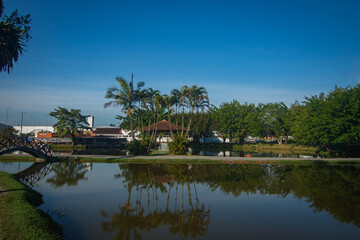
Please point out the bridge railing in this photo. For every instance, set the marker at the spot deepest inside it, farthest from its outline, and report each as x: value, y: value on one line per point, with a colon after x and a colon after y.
x: 22, y: 142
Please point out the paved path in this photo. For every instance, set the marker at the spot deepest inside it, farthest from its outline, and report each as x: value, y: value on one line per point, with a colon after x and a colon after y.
x: 212, y: 158
x: 181, y: 157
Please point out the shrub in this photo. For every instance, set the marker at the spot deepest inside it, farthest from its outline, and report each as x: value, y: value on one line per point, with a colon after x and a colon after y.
x: 179, y: 145
x: 137, y: 147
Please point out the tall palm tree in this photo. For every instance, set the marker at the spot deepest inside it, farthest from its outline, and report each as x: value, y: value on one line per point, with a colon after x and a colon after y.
x: 151, y: 93
x: 184, y: 93
x: 175, y: 94
x: 197, y: 98
x: 169, y: 101
x: 143, y: 96
x: 14, y: 34
x: 125, y: 96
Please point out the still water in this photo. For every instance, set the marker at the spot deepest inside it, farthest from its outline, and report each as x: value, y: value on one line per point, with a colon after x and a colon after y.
x: 189, y: 201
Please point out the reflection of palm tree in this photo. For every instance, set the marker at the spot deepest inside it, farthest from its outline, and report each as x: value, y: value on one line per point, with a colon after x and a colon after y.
x: 190, y: 220
x: 67, y: 174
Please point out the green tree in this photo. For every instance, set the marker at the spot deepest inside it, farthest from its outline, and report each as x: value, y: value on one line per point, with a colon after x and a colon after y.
x: 125, y: 96
x: 235, y: 119
x: 69, y: 122
x: 14, y: 34
x: 274, y: 116
x: 8, y: 132
x: 197, y: 97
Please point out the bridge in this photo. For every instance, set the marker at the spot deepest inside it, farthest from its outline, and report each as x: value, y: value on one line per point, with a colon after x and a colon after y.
x: 37, y: 149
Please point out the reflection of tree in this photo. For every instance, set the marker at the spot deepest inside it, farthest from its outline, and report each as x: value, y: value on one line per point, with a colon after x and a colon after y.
x: 330, y: 188
x: 67, y: 174
x: 189, y: 219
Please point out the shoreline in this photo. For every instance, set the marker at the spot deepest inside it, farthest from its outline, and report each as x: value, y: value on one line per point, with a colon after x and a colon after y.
x: 178, y: 159
x: 20, y: 217
x: 210, y: 158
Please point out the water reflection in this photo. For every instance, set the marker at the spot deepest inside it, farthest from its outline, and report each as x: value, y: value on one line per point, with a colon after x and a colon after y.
x: 175, y: 199
x: 153, y: 184
x: 334, y: 189
x: 68, y: 173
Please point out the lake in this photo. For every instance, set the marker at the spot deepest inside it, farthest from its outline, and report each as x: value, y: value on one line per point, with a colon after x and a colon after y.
x: 198, y: 201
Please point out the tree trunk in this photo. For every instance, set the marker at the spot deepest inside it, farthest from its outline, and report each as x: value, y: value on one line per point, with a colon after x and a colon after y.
x: 73, y: 140
x: 182, y: 122
x: 171, y: 133
x: 131, y: 128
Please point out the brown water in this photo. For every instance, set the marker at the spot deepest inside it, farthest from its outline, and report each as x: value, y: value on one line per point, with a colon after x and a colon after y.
x: 182, y: 201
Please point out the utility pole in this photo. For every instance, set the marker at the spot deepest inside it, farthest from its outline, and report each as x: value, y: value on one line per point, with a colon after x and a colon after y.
x: 7, y: 110
x: 46, y: 123
x: 22, y: 118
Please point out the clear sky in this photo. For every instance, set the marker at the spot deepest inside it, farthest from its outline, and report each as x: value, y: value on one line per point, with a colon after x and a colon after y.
x: 252, y: 51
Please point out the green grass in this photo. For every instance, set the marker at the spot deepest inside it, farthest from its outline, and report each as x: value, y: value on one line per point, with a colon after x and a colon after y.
x: 17, y: 158
x: 277, y: 148
x: 19, y: 216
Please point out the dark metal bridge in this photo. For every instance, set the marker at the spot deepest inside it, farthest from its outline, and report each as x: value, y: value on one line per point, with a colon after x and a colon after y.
x: 36, y: 148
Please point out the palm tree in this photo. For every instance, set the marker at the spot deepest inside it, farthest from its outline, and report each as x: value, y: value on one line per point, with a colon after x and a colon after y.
x: 169, y: 101
x: 158, y: 104
x: 197, y: 98
x: 151, y: 93
x: 184, y: 93
x: 126, y: 97
x: 175, y: 94
x: 143, y: 96
x: 14, y: 32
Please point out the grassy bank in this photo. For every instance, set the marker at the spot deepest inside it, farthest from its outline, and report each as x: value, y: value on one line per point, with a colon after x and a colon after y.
x: 205, y: 161
x: 189, y: 160
x: 19, y: 216
x: 17, y: 158
x: 277, y: 148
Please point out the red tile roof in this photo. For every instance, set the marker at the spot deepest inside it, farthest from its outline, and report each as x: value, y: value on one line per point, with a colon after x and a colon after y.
x: 162, y: 126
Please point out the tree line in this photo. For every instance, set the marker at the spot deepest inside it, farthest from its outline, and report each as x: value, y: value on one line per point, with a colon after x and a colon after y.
x: 329, y: 121
x: 325, y: 120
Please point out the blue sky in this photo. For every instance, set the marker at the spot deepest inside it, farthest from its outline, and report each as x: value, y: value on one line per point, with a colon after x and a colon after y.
x: 252, y: 51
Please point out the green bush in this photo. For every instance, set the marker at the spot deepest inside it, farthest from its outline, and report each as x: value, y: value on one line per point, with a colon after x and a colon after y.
x: 179, y: 145
x: 138, y: 147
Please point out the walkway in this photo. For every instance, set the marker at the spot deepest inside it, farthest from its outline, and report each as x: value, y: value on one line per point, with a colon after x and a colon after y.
x: 194, y: 157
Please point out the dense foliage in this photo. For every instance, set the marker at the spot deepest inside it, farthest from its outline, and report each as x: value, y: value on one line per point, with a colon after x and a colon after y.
x: 137, y: 147
x: 14, y: 34
x: 8, y: 132
x: 69, y: 122
x: 179, y: 145
x: 329, y: 121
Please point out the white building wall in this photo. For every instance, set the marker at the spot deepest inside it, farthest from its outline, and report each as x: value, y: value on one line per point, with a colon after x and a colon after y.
x: 34, y: 129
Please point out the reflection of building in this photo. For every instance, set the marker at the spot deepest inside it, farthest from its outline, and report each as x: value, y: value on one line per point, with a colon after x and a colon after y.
x: 88, y: 166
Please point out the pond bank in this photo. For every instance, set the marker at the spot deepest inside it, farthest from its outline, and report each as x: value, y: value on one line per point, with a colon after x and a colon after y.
x: 19, y: 216
x: 186, y: 159
x: 206, y: 159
